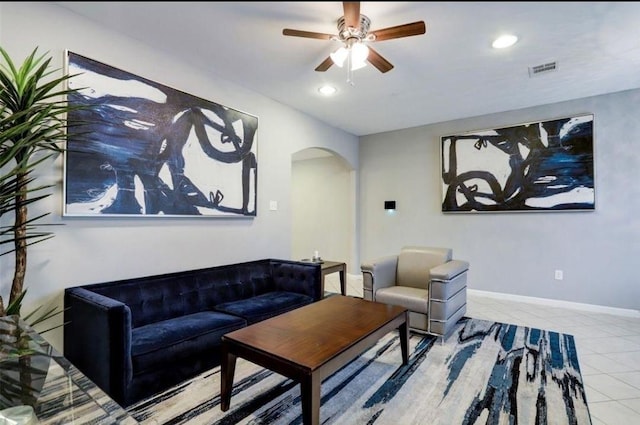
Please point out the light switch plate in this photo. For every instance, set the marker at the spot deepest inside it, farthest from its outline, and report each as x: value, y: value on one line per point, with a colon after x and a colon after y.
x: 273, y: 205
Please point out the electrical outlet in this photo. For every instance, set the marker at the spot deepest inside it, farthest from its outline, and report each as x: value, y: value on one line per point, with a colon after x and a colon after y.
x: 559, y: 275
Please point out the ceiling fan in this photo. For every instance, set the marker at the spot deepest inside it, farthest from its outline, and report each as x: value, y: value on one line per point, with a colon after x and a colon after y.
x: 354, y: 33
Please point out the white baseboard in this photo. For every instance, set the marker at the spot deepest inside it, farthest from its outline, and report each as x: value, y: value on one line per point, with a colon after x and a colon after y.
x: 558, y: 303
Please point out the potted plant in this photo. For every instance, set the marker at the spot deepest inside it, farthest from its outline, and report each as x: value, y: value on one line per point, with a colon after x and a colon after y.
x: 33, y: 111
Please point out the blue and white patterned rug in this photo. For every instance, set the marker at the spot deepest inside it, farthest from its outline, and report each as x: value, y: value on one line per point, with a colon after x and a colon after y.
x: 485, y: 373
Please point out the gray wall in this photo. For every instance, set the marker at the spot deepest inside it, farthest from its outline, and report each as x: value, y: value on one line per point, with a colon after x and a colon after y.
x: 87, y: 250
x: 516, y: 253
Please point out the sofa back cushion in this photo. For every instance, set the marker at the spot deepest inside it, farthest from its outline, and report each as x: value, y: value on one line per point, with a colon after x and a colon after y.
x: 298, y: 277
x: 229, y: 283
x: 161, y: 297
x: 150, y: 300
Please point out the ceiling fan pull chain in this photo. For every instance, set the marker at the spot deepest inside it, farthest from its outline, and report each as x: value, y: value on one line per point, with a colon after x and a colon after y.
x: 349, y: 70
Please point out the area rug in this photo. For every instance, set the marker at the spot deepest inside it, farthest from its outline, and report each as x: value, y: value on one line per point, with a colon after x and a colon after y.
x: 485, y: 373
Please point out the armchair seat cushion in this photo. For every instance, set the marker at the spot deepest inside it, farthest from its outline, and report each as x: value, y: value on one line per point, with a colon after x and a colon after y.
x: 160, y: 344
x: 263, y: 306
x: 414, y: 299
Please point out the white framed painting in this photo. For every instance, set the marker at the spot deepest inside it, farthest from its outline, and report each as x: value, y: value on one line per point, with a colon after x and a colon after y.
x: 538, y: 166
x: 148, y: 150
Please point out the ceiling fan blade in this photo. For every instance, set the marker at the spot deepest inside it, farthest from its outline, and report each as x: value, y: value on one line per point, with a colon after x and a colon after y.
x: 378, y: 61
x: 406, y: 30
x: 351, y: 13
x: 326, y: 64
x: 307, y: 34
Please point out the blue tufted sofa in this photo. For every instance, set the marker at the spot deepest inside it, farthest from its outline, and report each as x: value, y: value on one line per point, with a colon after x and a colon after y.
x: 136, y: 337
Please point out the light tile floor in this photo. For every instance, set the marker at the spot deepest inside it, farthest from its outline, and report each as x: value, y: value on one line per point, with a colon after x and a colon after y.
x: 608, y: 347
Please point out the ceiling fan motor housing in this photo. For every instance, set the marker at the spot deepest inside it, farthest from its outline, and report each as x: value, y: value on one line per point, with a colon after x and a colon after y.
x: 349, y: 33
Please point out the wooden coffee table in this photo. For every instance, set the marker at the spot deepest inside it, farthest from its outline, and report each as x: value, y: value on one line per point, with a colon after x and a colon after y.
x: 311, y: 343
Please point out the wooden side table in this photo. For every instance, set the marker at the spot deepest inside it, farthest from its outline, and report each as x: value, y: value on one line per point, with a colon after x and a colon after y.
x: 329, y: 267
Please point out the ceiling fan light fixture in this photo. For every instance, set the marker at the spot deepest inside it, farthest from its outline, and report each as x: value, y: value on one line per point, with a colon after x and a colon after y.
x: 359, y: 54
x: 356, y: 54
x: 339, y: 56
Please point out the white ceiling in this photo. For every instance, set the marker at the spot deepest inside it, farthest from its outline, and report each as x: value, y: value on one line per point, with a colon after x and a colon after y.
x: 450, y: 72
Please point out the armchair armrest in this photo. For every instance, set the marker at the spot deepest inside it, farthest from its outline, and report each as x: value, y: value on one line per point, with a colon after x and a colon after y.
x: 447, y: 280
x: 449, y: 270
x: 97, y: 339
x: 377, y: 274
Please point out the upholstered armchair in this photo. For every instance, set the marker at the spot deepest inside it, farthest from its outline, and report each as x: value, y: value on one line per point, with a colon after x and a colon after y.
x: 426, y: 281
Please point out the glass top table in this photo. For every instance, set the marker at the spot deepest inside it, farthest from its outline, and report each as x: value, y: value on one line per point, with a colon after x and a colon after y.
x: 33, y: 373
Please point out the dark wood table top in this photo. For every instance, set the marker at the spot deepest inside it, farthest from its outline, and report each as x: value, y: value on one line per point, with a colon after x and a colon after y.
x: 332, y: 264
x: 314, y: 334
x: 324, y: 263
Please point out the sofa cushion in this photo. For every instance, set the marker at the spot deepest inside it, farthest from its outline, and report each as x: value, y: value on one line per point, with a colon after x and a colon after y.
x: 166, y: 342
x: 264, y: 306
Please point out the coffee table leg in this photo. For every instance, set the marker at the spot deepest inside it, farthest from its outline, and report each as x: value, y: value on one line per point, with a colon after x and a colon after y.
x: 403, y: 329
x: 227, y: 370
x: 343, y: 283
x: 310, y: 391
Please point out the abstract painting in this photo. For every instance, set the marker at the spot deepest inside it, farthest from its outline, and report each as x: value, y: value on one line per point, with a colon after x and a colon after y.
x: 145, y: 149
x: 540, y: 166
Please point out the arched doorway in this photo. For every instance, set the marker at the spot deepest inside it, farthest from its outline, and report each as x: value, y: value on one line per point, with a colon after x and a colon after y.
x: 323, y: 207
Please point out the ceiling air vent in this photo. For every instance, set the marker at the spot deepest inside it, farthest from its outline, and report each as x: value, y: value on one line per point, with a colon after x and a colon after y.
x: 542, y: 69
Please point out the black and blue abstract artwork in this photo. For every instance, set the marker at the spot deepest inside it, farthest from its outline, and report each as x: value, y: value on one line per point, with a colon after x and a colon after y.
x: 542, y: 166
x: 145, y: 149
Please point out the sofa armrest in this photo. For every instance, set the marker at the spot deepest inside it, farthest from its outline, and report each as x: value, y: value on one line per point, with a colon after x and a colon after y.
x: 448, y: 270
x: 379, y: 273
x: 97, y: 339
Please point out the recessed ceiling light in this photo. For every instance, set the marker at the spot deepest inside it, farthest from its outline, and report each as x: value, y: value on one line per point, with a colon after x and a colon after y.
x: 504, y: 41
x: 327, y: 90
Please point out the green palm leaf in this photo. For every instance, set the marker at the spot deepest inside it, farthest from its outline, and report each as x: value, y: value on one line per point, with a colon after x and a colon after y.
x: 33, y: 111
